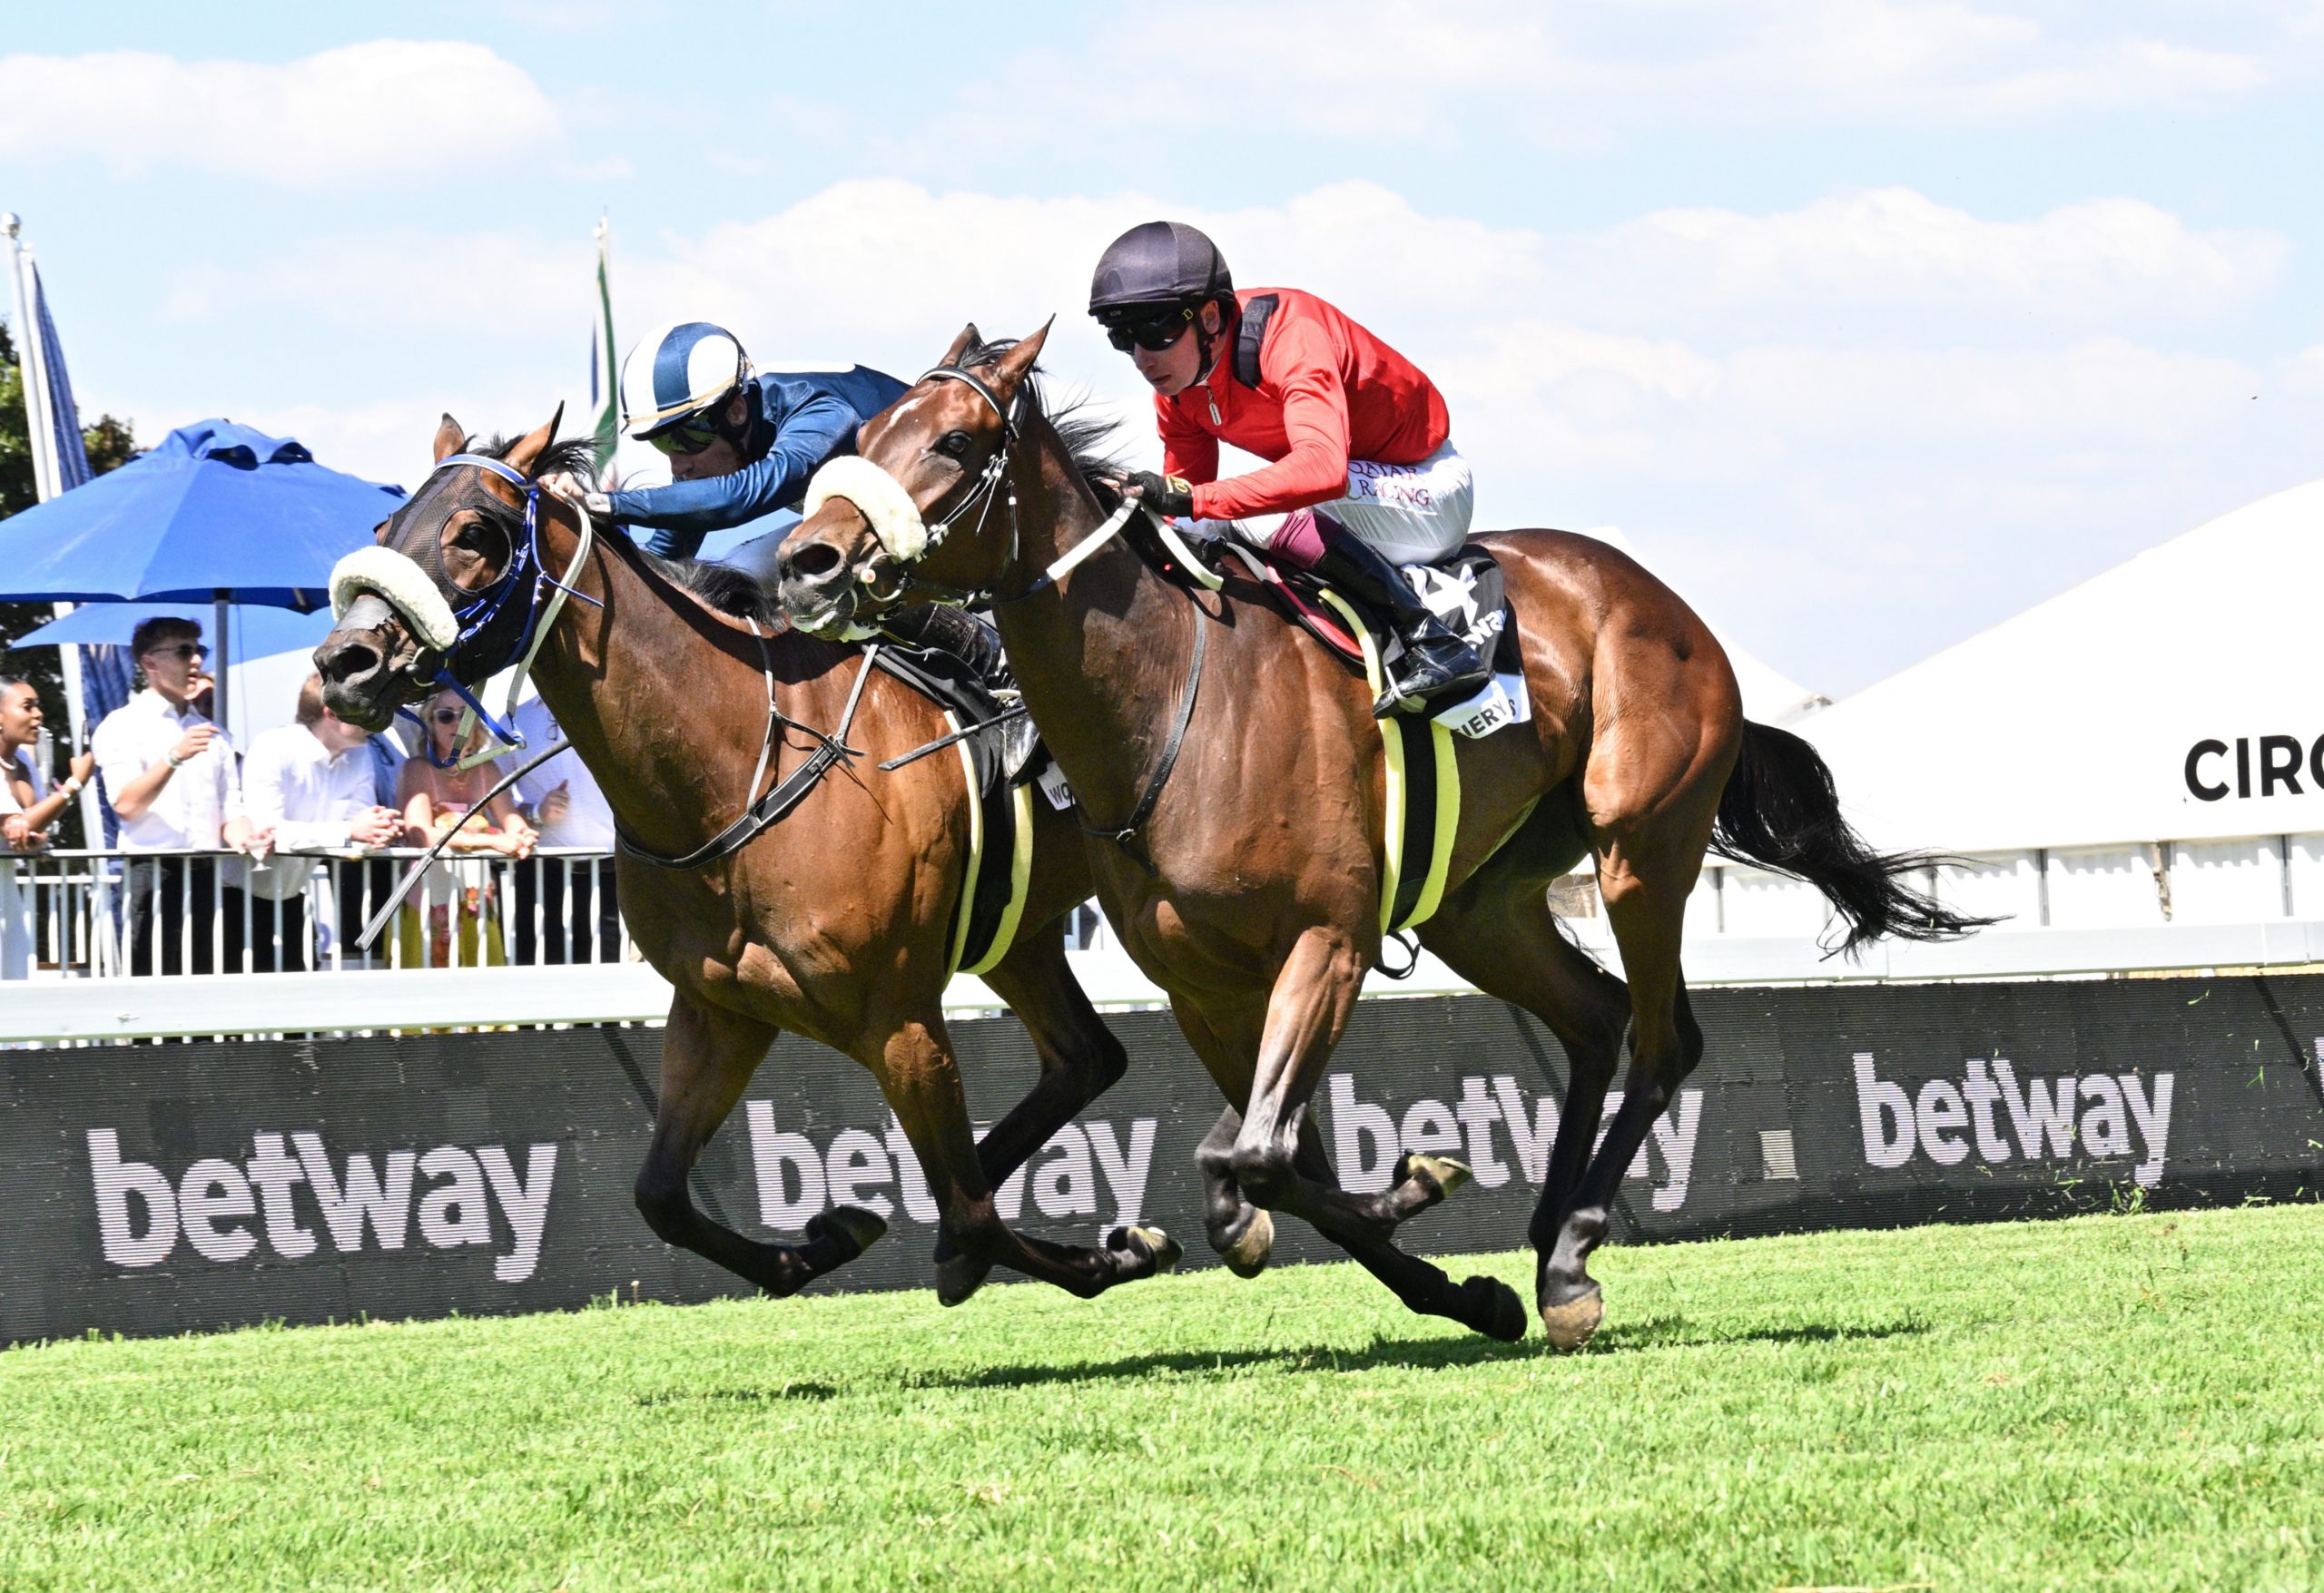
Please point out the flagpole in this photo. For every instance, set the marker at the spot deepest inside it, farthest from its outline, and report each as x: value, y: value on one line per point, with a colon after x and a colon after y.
x: 32, y: 367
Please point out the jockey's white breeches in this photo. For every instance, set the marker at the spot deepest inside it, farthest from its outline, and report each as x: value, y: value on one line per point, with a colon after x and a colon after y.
x: 1414, y: 514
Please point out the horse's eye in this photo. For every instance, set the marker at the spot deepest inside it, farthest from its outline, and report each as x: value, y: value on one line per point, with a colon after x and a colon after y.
x: 955, y: 445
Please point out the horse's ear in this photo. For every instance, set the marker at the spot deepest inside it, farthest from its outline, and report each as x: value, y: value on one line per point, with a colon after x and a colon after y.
x: 448, y: 438
x: 535, y: 443
x: 1012, y: 366
x: 968, y: 339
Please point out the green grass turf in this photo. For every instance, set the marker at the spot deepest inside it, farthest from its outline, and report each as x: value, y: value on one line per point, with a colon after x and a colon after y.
x: 2115, y: 1402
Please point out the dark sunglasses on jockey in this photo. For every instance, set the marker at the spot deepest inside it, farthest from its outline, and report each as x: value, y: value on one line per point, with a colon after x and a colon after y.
x: 1153, y: 332
x: 685, y: 440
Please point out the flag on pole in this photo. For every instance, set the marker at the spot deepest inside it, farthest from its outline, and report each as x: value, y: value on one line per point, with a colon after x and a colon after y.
x: 605, y: 379
x: 70, y: 462
x: 106, y: 674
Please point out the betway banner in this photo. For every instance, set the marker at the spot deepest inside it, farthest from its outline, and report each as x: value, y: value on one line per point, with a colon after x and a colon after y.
x: 159, y: 1188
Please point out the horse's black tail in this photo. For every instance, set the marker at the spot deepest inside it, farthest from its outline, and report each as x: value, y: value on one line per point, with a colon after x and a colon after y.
x: 1779, y: 812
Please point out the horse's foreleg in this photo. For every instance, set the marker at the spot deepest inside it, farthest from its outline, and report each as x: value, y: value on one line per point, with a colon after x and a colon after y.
x: 708, y: 1056
x: 1242, y: 1233
x: 921, y: 1081
x: 1080, y: 1060
x: 1307, y: 1013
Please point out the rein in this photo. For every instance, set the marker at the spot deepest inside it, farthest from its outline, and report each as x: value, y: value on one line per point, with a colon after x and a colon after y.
x: 400, y: 581
x: 897, y: 529
x: 787, y: 794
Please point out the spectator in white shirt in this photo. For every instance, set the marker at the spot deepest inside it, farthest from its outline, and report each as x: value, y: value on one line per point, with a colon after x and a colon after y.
x: 170, y: 777
x: 567, y: 909
x: 308, y: 787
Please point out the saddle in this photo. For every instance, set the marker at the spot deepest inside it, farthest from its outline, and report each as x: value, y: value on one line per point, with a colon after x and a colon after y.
x: 955, y: 659
x: 1465, y: 590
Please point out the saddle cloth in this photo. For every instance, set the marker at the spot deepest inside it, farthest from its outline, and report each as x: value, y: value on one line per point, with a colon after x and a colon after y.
x: 1464, y: 591
x: 998, y: 767
x: 1423, y: 771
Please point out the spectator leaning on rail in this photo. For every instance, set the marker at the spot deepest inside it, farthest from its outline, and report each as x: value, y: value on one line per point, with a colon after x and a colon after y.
x: 580, y: 913
x: 170, y: 777
x: 308, y: 786
x: 26, y: 810
x: 460, y: 926
x: 25, y: 814
x: 1364, y: 475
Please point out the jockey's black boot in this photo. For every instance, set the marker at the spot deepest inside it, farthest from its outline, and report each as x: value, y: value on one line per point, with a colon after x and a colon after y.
x: 1437, y: 661
x: 957, y: 632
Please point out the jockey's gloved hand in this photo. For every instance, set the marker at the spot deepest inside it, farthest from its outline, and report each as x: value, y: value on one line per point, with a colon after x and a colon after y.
x: 574, y: 490
x: 1169, y: 496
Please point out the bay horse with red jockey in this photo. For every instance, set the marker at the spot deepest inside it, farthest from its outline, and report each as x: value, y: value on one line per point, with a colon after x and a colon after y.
x: 835, y: 921
x: 1240, y: 808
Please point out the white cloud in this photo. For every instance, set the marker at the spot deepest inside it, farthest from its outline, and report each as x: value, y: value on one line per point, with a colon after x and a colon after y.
x: 1577, y: 73
x: 1798, y: 414
x: 403, y: 280
x: 1895, y: 247
x: 386, y: 110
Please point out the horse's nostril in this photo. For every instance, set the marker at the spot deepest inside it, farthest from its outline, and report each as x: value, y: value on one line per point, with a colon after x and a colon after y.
x: 814, y: 561
x: 347, y: 662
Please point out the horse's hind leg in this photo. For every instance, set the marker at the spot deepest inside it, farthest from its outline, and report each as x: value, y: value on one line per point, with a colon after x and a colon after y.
x: 708, y: 1056
x: 1080, y: 1060
x: 1646, y: 870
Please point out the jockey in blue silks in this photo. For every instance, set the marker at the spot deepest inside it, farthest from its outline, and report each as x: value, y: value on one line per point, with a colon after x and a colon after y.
x: 740, y: 445
x: 743, y: 446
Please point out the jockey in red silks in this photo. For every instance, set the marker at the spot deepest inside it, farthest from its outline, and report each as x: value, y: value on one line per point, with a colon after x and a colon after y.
x: 1364, y: 478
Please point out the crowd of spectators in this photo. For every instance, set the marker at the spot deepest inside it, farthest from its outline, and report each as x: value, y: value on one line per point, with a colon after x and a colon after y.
x: 219, y: 839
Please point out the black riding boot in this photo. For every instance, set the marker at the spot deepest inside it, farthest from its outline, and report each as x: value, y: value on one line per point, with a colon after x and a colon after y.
x: 958, y: 633
x: 1437, y: 661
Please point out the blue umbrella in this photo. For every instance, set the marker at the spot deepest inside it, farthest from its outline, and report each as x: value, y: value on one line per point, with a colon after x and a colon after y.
x: 216, y: 512
x: 258, y: 632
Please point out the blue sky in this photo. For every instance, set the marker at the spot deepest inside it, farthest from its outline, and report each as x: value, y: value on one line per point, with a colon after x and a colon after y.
x: 1870, y: 321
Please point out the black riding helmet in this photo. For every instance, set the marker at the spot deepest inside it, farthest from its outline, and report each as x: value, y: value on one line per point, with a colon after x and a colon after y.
x: 1156, y: 278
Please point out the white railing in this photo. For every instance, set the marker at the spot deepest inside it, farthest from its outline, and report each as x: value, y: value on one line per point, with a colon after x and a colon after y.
x: 108, y: 914
x: 1743, y: 927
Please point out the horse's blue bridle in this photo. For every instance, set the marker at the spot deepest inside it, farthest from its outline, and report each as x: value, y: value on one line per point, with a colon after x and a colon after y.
x: 477, y: 614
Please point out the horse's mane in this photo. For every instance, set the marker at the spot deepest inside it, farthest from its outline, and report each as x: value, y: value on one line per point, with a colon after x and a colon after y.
x: 1088, y: 435
x: 724, y: 588
x: 731, y: 592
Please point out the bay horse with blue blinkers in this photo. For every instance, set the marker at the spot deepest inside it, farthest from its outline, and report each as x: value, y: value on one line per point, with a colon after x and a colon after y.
x: 1242, y: 805
x: 835, y: 922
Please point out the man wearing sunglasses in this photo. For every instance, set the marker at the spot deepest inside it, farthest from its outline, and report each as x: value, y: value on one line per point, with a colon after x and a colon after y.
x: 1363, y: 475
x: 741, y: 445
x: 170, y: 777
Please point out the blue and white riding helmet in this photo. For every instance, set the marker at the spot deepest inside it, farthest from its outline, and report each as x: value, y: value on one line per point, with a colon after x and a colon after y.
x: 681, y: 378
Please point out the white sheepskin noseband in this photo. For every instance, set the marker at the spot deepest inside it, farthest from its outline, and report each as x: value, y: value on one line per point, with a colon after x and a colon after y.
x: 877, y: 497
x: 403, y: 585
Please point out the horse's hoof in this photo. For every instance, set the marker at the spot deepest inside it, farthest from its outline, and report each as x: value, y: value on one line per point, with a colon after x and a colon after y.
x: 957, y: 1276
x: 1440, y: 1175
x: 1248, y: 1256
x: 1572, y: 1322
x: 1149, y: 1244
x: 851, y: 1227
x: 1494, y: 1309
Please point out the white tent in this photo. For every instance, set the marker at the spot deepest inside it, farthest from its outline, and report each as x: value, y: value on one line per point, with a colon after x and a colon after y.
x: 2178, y: 696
